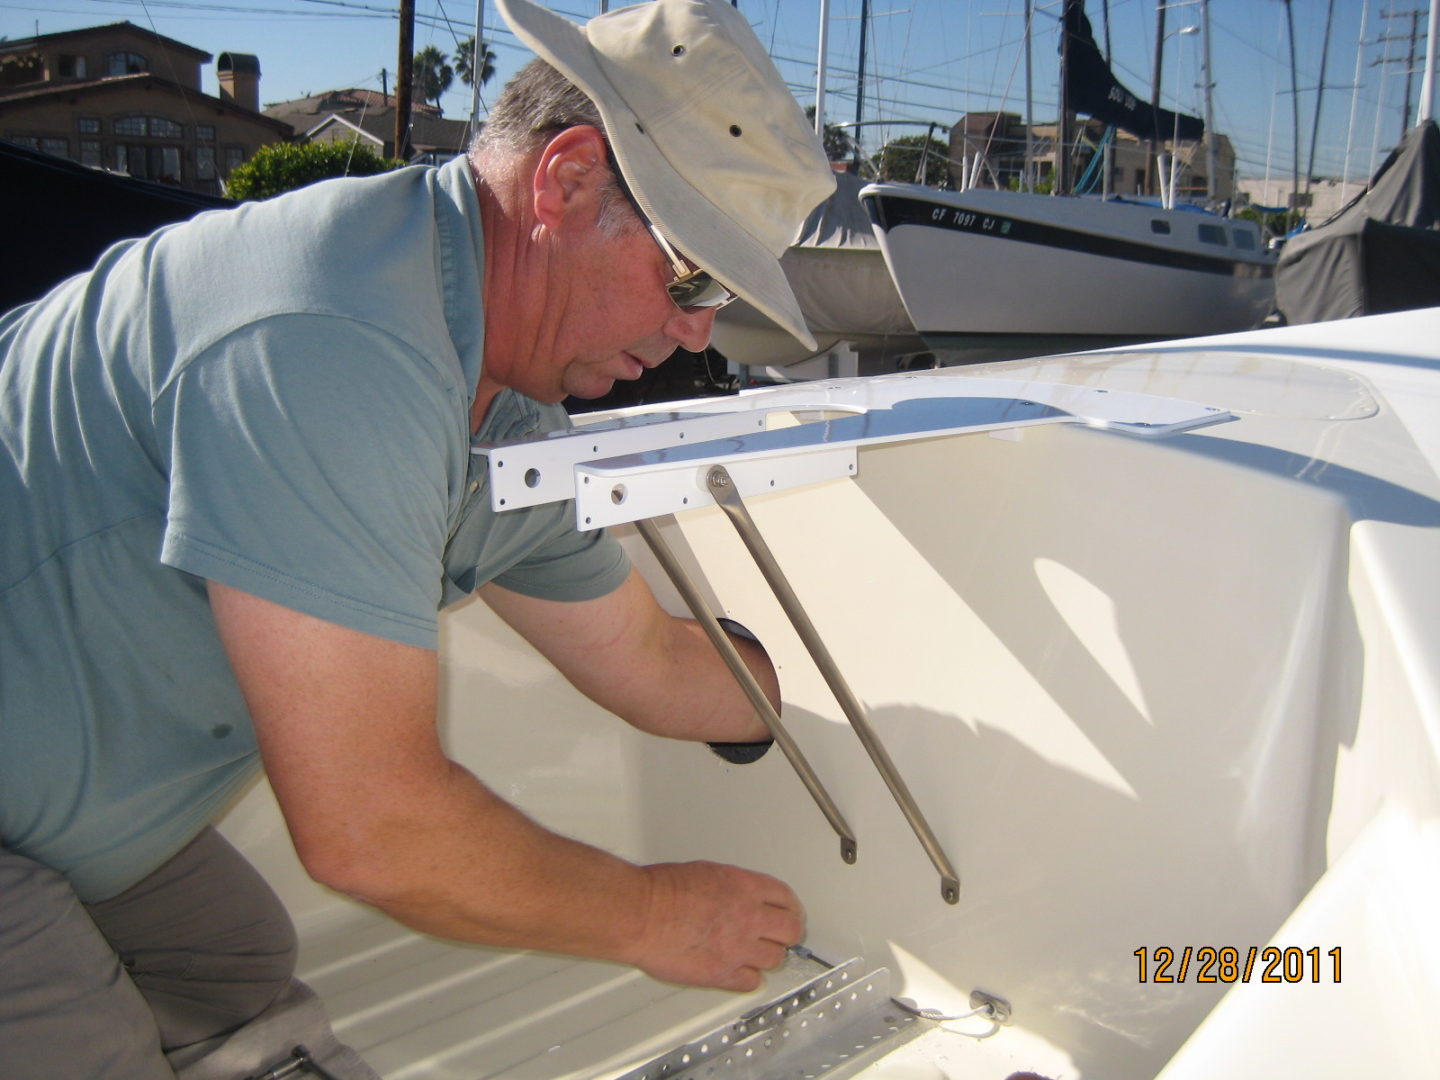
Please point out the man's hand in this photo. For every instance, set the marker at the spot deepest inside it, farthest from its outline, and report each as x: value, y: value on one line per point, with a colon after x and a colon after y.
x: 714, y: 925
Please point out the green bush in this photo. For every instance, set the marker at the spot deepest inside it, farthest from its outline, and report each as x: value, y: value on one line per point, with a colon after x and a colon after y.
x: 281, y: 167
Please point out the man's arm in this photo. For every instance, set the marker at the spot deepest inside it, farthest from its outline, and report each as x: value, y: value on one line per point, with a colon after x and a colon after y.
x: 347, y: 729
x: 659, y: 672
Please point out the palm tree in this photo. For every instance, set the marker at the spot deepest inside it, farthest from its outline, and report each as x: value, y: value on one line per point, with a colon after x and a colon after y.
x: 432, y: 74
x: 463, y: 66
x: 839, y: 144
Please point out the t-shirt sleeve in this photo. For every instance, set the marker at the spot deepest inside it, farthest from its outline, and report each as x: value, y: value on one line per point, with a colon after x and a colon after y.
x: 311, y: 461
x: 569, y: 564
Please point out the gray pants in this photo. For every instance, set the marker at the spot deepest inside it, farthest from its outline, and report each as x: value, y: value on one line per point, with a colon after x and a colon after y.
x: 129, y: 988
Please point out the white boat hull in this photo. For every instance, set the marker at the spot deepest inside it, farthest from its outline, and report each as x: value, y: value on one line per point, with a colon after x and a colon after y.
x: 1152, y: 694
x: 999, y: 262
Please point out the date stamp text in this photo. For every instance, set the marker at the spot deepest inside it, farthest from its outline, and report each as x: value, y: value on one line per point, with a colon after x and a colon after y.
x: 1228, y: 964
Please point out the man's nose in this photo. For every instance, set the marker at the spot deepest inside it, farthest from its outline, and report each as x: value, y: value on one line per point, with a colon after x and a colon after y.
x: 691, y: 327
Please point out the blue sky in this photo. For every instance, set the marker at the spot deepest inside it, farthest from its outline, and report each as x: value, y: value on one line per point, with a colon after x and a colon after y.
x: 929, y: 60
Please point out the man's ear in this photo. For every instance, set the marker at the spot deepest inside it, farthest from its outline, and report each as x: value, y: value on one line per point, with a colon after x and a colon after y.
x: 571, y: 170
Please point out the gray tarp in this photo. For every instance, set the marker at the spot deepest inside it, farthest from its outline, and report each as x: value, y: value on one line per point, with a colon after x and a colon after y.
x: 1381, y: 252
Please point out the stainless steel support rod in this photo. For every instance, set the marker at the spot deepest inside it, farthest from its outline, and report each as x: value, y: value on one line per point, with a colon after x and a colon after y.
x: 696, y: 603
x: 723, y: 489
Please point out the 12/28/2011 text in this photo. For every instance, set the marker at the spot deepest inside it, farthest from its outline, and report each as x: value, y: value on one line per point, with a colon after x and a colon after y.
x: 1228, y: 964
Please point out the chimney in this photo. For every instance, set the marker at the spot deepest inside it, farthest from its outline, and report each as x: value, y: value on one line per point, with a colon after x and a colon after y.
x: 239, y: 79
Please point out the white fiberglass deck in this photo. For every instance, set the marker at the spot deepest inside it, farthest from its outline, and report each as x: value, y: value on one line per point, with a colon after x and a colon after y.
x: 1149, y: 693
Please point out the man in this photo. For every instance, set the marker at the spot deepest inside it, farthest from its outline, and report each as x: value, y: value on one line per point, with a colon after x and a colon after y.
x: 237, y: 487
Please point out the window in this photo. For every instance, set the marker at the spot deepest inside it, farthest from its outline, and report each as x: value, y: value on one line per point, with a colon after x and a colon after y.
x: 90, y: 153
x: 58, y: 147
x: 157, y: 127
x: 234, y: 158
x: 205, y: 132
x: 1158, y: 225
x: 126, y: 63
x: 30, y: 142
x: 1213, y: 234
x: 205, y: 163
x: 149, y: 162
x: 1244, y: 239
x: 87, y: 125
x: 71, y: 67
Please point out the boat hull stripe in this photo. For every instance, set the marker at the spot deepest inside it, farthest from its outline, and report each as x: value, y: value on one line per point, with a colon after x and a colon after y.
x: 891, y: 212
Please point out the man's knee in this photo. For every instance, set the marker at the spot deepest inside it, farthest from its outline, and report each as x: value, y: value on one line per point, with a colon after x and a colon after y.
x: 204, y: 939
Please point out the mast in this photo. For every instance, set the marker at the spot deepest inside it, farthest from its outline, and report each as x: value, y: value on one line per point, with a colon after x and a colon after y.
x: 1029, y: 173
x: 1319, y: 95
x: 1212, y: 152
x: 1063, y: 127
x: 1153, y: 172
x: 823, y: 52
x: 860, y: 79
x: 1294, y: 114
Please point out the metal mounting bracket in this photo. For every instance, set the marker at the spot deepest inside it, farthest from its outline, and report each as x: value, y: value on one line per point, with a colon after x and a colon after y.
x: 648, y: 464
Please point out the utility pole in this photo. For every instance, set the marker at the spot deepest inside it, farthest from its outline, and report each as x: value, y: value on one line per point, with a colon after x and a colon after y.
x: 1427, y: 84
x: 477, y: 65
x: 1411, y: 38
x: 404, y: 78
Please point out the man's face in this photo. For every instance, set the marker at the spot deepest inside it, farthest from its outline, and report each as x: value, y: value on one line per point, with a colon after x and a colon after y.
x: 609, y: 316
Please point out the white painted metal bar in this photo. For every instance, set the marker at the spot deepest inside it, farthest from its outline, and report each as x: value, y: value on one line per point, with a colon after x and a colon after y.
x: 650, y: 464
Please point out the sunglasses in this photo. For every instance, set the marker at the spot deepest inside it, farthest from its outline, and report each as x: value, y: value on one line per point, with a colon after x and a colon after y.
x: 692, y: 289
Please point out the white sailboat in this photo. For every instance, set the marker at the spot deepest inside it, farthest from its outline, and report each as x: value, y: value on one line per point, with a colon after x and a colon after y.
x: 1150, y: 639
x: 983, y: 262
x: 987, y: 263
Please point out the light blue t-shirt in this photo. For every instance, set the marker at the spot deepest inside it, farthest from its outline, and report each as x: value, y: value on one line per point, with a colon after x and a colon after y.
x: 276, y: 397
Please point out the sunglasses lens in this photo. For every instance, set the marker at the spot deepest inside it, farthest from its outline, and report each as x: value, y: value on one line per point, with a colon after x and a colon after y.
x: 699, y: 290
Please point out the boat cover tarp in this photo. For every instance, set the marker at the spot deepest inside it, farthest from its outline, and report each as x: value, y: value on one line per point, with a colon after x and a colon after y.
x: 60, y: 216
x: 1381, y: 252
x: 840, y: 221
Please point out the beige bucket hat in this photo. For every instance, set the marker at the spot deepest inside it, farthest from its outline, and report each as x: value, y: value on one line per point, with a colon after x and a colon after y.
x: 714, y: 147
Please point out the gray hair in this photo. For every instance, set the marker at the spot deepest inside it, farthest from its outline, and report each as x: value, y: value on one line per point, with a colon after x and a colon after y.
x: 536, y: 105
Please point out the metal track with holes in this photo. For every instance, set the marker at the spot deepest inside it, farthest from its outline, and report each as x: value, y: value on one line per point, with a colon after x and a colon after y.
x: 831, y: 1027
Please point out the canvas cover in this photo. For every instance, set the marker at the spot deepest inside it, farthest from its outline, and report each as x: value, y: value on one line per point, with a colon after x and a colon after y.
x: 1381, y: 252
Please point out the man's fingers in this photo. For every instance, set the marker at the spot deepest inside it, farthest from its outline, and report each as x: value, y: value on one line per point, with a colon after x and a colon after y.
x: 715, y: 925
x: 783, y: 927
